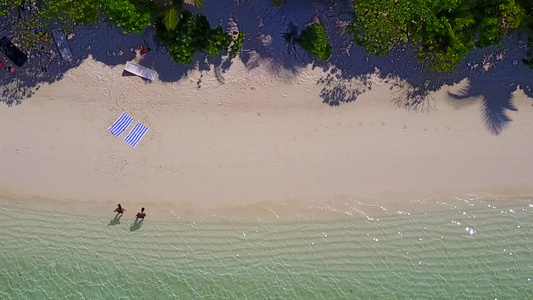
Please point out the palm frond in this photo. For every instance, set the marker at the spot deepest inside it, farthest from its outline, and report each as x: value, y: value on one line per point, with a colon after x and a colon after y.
x: 170, y: 18
x: 462, y: 22
x: 196, y: 3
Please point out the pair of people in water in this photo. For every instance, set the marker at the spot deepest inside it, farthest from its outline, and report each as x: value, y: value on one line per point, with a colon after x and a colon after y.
x: 140, y: 215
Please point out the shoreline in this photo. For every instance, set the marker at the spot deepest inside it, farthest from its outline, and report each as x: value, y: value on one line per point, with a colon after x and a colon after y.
x: 340, y: 208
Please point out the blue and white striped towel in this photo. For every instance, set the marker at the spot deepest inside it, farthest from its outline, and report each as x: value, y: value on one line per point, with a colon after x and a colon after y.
x: 121, y: 124
x: 136, y: 134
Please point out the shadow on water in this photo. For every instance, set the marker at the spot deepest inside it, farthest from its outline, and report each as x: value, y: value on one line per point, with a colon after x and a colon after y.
x: 136, y: 225
x: 115, y: 220
x: 491, y: 75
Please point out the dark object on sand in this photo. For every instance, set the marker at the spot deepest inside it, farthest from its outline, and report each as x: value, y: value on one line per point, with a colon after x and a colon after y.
x: 12, y: 52
x: 62, y: 44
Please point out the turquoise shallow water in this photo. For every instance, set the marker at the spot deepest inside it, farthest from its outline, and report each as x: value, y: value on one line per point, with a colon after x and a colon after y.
x: 475, y: 254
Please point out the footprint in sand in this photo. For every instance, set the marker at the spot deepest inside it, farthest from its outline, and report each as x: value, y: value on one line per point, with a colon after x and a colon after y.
x: 360, y: 124
x: 404, y: 127
x: 382, y: 123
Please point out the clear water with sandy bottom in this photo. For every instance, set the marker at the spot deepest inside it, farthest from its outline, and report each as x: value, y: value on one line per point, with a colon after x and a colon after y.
x: 479, y: 253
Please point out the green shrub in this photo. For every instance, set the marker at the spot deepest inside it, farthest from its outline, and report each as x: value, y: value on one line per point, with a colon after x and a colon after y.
x: 171, y: 17
x: 237, y: 42
x: 127, y: 16
x: 72, y: 13
x: 217, y: 41
x: 193, y: 34
x: 130, y: 15
x: 185, y: 40
x: 7, y: 5
x: 28, y: 34
x: 444, y: 32
x: 314, y: 41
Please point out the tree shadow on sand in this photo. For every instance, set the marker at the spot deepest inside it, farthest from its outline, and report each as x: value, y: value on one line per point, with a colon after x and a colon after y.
x: 350, y: 71
x: 491, y: 75
x: 109, y: 45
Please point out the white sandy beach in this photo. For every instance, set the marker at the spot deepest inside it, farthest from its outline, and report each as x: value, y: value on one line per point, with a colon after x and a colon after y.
x: 255, y: 138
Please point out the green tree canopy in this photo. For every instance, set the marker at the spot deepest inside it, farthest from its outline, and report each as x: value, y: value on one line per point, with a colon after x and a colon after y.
x: 193, y: 33
x: 71, y: 12
x: 314, y: 41
x: 527, y: 5
x: 8, y: 5
x: 130, y: 16
x: 442, y: 31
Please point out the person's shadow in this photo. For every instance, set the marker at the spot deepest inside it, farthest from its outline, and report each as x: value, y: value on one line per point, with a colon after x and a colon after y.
x: 136, y: 225
x: 116, y: 220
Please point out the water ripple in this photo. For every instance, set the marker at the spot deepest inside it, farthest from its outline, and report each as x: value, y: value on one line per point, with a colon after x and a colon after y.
x: 457, y: 254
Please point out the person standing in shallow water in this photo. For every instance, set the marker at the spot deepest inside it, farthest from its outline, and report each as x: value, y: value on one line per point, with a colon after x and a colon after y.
x: 120, y: 209
x: 141, y: 214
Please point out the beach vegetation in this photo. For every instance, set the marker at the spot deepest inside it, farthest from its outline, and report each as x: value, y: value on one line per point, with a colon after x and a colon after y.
x: 238, y: 40
x: 66, y: 12
x: 197, y: 3
x: 127, y: 15
x: 441, y: 32
x: 29, y: 34
x: 527, y: 5
x: 7, y: 5
x: 172, y: 10
x: 182, y: 32
x: 131, y: 15
x: 216, y: 41
x: 171, y: 18
x: 313, y: 40
x: 193, y: 34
